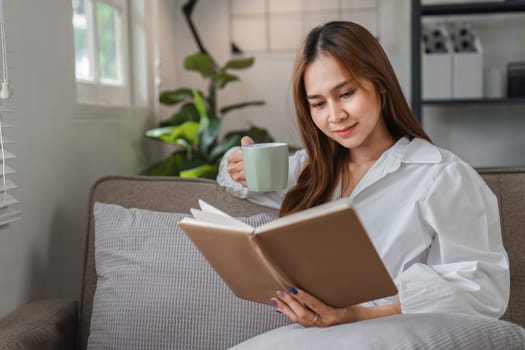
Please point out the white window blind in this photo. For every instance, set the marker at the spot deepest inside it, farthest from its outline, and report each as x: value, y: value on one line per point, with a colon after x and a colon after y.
x: 8, y: 211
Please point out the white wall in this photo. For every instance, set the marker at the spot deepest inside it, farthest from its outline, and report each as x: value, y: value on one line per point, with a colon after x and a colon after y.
x: 482, y: 136
x: 268, y: 79
x: 61, y: 149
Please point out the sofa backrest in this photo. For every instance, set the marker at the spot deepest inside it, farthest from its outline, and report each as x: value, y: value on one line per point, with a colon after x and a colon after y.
x: 178, y: 195
x: 509, y: 187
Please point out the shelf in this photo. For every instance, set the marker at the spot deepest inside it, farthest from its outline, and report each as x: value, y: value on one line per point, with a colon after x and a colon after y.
x: 482, y: 101
x: 419, y: 11
x: 472, y: 8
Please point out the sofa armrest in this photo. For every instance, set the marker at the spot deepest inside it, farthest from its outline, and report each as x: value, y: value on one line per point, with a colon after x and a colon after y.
x: 43, y: 324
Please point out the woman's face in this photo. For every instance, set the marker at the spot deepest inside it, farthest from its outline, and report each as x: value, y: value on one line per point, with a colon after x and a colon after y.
x: 346, y: 112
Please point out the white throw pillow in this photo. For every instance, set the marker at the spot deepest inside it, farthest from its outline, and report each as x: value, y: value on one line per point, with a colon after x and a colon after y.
x: 156, y: 291
x: 400, y: 332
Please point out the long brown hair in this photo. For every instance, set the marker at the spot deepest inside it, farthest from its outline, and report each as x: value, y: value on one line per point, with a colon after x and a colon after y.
x: 355, y: 49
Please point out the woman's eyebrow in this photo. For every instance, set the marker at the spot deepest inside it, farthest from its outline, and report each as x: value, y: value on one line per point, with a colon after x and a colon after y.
x: 335, y: 88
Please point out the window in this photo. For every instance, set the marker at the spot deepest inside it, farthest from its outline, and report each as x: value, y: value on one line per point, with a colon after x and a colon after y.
x: 101, y: 51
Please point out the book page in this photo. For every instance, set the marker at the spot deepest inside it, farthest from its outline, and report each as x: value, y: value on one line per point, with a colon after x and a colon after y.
x: 211, y: 209
x: 242, y: 227
x: 320, y: 210
x: 226, y: 220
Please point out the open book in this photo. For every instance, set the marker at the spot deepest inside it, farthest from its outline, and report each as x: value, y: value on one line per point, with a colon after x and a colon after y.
x: 323, y: 250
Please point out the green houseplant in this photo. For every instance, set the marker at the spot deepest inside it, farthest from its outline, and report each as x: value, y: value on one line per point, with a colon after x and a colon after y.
x: 194, y: 127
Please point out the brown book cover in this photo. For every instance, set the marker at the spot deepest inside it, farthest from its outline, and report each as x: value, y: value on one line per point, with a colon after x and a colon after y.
x: 323, y: 250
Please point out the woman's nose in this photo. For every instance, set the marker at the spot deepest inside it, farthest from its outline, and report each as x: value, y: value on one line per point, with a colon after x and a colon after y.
x: 337, y: 113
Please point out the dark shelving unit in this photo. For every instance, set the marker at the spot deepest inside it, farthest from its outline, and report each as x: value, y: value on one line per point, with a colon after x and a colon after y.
x: 473, y: 8
x: 478, y: 101
x: 468, y: 8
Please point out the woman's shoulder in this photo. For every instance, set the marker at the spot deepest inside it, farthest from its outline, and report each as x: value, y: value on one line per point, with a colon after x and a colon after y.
x: 442, y: 161
x: 419, y: 150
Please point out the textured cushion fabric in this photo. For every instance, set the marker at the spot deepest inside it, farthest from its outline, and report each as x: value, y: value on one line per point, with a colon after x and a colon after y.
x: 155, y: 290
x: 44, y: 324
x: 509, y: 188
x: 400, y: 332
x: 159, y: 193
x: 512, y: 206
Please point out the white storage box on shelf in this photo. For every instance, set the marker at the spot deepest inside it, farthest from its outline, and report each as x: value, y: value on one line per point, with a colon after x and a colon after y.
x: 467, y: 65
x: 436, y: 63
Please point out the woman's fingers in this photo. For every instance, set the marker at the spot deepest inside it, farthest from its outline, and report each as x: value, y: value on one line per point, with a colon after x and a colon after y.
x: 246, y: 140
x: 305, y: 309
x: 310, y: 301
x: 235, y: 164
x: 236, y: 167
x: 235, y: 157
x: 296, y: 311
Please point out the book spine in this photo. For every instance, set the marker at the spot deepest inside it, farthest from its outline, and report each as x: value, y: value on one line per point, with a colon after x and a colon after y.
x: 281, y: 279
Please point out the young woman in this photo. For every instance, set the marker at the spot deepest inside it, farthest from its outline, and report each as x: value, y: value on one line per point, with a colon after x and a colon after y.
x: 431, y: 217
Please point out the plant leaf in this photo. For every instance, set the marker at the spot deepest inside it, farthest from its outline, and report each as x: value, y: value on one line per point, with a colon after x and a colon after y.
x: 172, y: 165
x: 240, y: 63
x: 166, y: 167
x: 188, y: 112
x: 208, y: 137
x: 201, y: 108
x: 230, y: 108
x: 218, y: 151
x: 182, y: 143
x: 187, y: 131
x: 205, y: 170
x: 201, y: 63
x: 221, y: 79
x: 257, y: 134
x: 172, y: 97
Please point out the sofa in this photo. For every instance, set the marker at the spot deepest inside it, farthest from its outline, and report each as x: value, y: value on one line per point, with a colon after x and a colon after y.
x: 197, y: 317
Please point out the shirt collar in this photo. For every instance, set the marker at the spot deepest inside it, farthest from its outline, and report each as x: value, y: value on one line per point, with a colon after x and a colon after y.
x: 420, y: 151
x: 415, y: 151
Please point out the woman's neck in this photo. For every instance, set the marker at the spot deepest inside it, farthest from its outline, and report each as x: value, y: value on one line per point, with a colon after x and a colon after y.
x: 371, y: 150
x: 362, y: 158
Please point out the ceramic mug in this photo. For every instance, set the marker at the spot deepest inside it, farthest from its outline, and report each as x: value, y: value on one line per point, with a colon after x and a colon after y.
x: 265, y: 166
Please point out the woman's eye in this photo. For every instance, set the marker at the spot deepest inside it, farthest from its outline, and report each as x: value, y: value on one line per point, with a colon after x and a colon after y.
x: 318, y: 105
x: 347, y: 94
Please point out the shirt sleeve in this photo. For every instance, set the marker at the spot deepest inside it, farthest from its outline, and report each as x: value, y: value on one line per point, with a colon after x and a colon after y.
x: 267, y: 199
x: 467, y: 268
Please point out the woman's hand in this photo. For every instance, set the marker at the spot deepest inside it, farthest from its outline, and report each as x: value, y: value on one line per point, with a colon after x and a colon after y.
x: 235, y: 165
x: 308, y: 311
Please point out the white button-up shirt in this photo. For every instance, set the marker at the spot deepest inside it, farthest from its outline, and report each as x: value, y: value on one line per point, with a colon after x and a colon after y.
x: 434, y: 222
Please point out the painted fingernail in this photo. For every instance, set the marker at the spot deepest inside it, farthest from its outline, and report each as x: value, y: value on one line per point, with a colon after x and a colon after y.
x: 280, y: 294
x: 274, y: 302
x: 278, y: 311
x: 293, y: 291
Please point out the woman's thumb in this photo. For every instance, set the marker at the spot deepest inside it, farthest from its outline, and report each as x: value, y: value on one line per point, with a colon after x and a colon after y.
x: 246, y: 140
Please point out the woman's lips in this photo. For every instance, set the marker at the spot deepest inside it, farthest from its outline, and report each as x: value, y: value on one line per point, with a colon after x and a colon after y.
x: 346, y: 131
